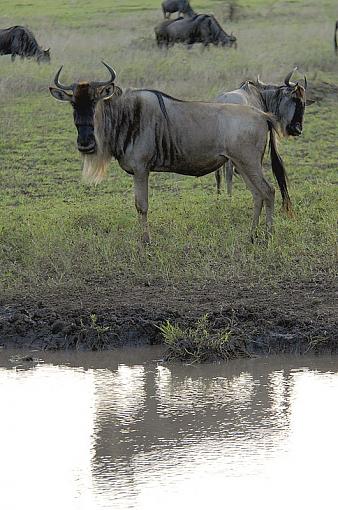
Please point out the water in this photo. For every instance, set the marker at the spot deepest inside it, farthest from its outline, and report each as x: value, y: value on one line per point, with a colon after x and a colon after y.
x: 123, y: 431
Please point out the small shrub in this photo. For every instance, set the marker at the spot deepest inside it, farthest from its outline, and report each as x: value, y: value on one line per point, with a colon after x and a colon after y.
x: 200, y: 344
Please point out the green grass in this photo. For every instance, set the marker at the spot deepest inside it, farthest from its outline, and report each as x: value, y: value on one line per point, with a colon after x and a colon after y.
x: 198, y: 344
x: 54, y: 230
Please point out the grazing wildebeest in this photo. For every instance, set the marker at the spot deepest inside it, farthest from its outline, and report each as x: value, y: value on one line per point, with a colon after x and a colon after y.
x: 201, y: 28
x: 287, y: 102
x: 179, y: 6
x: 19, y: 41
x: 335, y: 38
x: 148, y: 131
x: 218, y: 36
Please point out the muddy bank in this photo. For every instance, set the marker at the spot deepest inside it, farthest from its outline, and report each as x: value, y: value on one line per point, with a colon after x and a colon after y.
x: 295, y: 317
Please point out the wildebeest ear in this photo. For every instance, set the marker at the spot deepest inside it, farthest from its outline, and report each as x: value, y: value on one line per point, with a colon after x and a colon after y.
x: 105, y: 92
x: 309, y: 102
x: 60, y: 95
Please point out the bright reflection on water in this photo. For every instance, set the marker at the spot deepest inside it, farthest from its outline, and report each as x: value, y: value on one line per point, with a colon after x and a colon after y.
x: 121, y: 431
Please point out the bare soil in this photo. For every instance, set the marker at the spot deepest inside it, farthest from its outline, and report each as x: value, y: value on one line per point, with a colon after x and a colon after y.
x: 295, y: 317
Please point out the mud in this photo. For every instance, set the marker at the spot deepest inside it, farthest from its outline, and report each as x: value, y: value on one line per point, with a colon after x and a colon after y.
x: 294, y: 317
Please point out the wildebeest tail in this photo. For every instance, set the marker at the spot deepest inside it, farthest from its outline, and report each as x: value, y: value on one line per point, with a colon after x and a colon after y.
x: 279, y: 169
x: 335, y: 38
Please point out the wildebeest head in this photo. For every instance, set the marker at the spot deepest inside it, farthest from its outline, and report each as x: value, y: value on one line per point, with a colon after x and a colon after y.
x: 218, y: 36
x: 291, y: 102
x: 229, y: 40
x: 44, y: 56
x: 292, y: 105
x: 84, y: 97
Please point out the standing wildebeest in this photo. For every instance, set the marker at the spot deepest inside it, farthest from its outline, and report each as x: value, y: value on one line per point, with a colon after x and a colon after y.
x: 20, y: 41
x: 201, y: 28
x: 180, y: 6
x: 149, y: 131
x: 287, y: 102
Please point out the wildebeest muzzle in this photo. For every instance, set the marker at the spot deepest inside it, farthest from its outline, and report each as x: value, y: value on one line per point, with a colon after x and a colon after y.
x: 86, y: 142
x: 294, y: 129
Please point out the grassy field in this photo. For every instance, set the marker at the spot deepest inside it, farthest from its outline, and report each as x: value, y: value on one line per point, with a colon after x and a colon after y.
x: 56, y: 232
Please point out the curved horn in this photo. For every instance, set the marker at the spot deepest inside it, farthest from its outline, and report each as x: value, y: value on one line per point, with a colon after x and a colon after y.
x: 288, y: 76
x: 58, y: 84
x: 259, y: 82
x: 305, y: 82
x: 109, y: 82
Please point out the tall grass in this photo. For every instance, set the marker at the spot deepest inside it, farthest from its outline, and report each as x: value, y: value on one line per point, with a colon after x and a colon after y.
x: 56, y: 231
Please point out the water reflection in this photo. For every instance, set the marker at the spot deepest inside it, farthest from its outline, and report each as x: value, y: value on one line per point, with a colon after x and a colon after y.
x: 118, y: 430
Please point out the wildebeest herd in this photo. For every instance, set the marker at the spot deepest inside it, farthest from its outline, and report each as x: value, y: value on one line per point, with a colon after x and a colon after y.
x: 190, y: 29
x: 149, y: 131
x: 146, y: 130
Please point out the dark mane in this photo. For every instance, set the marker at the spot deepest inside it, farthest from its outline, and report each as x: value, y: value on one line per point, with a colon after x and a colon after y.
x: 245, y: 83
x: 260, y: 86
x: 201, y: 17
x: 121, y: 120
x: 217, y: 22
x: 266, y: 86
x: 220, y: 29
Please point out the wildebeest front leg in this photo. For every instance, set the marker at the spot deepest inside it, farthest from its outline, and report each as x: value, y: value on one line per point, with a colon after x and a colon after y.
x: 141, y: 202
x: 229, y: 173
x: 255, y: 182
x: 218, y: 177
x: 264, y: 192
x: 257, y: 208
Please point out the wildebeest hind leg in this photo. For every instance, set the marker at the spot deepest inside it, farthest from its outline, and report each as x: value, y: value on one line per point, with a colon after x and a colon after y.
x: 141, y: 202
x: 269, y: 209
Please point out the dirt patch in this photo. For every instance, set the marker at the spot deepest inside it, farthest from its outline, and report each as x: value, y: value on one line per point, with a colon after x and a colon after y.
x: 292, y: 317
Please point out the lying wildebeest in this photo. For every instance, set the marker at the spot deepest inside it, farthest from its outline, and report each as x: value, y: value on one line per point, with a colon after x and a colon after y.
x: 335, y: 38
x: 180, y: 6
x: 19, y: 41
x: 149, y: 131
x: 202, y: 28
x: 287, y: 102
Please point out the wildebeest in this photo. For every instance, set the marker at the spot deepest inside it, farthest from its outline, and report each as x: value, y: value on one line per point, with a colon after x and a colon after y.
x: 149, y: 131
x: 335, y: 38
x: 20, y: 41
x: 287, y: 102
x: 202, y: 28
x: 180, y: 6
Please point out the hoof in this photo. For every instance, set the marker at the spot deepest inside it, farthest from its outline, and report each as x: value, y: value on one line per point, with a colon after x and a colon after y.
x: 146, y: 240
